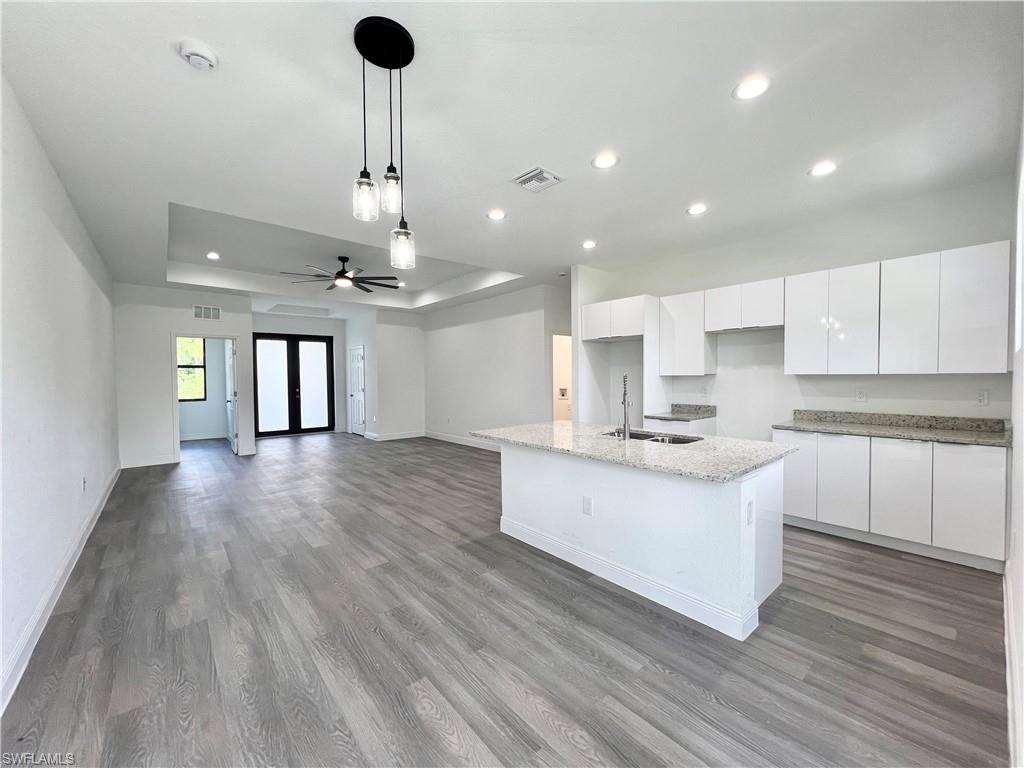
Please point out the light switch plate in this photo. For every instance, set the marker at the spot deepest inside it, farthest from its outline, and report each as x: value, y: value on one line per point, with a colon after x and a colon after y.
x: 588, y: 506
x: 981, y: 399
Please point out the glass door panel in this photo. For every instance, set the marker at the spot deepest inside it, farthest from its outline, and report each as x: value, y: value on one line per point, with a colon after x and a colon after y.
x: 294, y: 383
x: 313, y: 384
x: 272, y: 370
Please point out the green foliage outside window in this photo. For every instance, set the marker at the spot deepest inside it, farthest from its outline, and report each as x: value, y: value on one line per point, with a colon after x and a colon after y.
x: 191, y: 369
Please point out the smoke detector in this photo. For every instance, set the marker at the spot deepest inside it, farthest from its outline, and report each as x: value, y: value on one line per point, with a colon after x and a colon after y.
x: 197, y: 53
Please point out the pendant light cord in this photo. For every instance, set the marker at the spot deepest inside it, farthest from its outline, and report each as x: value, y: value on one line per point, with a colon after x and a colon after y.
x: 364, y: 113
x: 401, y: 145
x: 391, y: 121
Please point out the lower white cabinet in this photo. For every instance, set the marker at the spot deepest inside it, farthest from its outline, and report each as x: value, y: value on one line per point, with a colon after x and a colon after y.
x: 695, y: 427
x: 844, y: 480
x: 799, y: 473
x: 901, y: 489
x: 969, y: 499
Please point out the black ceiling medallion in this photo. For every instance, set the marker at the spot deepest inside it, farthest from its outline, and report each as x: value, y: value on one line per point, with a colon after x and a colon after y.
x: 384, y: 43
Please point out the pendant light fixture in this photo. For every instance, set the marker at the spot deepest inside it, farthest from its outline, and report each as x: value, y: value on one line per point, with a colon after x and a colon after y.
x: 365, y: 192
x: 391, y: 197
x: 388, y: 45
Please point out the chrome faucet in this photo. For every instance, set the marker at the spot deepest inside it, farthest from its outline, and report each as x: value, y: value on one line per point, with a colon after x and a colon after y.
x: 626, y: 403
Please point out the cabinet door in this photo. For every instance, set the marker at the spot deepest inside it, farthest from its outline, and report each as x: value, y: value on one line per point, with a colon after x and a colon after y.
x: 684, y: 348
x: 844, y: 471
x: 722, y: 308
x: 596, y: 321
x: 806, y: 331
x: 901, y: 489
x: 974, y: 309
x: 853, y: 319
x: 627, y: 316
x: 761, y: 303
x: 799, y: 473
x: 969, y: 499
x: 908, y: 333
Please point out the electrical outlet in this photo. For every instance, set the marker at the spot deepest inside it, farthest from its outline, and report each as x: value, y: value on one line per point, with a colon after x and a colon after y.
x: 83, y: 483
x: 588, y: 506
x: 860, y: 395
x: 981, y: 399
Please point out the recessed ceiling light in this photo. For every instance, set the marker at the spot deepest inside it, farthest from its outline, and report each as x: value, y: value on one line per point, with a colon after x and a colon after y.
x: 495, y: 214
x: 401, y: 284
x: 588, y: 244
x: 751, y: 87
x: 605, y: 159
x: 697, y: 209
x: 822, y: 168
x: 213, y: 256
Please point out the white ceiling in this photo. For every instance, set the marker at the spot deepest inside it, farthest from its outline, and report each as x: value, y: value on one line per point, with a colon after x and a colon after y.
x: 905, y: 97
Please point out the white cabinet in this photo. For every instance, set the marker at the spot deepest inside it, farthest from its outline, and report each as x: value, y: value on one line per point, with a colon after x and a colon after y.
x: 685, y: 350
x: 908, y: 336
x: 722, y: 308
x: 805, y: 348
x: 974, y: 309
x: 627, y: 316
x: 844, y: 471
x: 695, y: 427
x: 969, y: 499
x: 596, y: 321
x: 853, y: 319
x: 613, y: 319
x: 901, y: 489
x: 800, y: 473
x: 762, y: 303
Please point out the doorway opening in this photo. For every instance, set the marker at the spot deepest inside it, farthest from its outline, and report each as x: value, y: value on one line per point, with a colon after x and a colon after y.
x: 561, y: 375
x: 293, y: 377
x: 207, y: 393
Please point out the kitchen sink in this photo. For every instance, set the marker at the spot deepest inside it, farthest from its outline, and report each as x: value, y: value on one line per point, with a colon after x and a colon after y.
x: 655, y: 437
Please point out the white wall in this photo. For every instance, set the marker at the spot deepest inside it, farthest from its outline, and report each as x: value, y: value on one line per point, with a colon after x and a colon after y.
x: 489, y: 362
x: 146, y: 320
x: 400, y: 377
x: 58, y: 410
x: 207, y: 419
x: 315, y: 326
x: 561, y: 360
x: 749, y: 388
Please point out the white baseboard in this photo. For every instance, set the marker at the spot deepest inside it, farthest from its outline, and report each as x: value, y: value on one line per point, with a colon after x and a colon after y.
x: 152, y: 461
x: 26, y: 643
x: 205, y: 436
x: 912, y: 547
x: 1014, y: 644
x: 392, y: 435
x: 734, y: 625
x: 472, y: 442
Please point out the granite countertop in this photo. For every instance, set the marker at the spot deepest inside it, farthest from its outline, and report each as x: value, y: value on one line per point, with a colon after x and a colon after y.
x: 685, y: 412
x: 961, y: 430
x: 717, y: 459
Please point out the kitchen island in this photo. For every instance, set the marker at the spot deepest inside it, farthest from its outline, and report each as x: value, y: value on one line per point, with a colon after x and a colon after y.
x: 696, y: 527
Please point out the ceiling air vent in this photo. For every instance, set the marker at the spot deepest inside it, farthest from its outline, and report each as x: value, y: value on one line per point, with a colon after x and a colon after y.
x: 536, y: 179
x: 201, y: 312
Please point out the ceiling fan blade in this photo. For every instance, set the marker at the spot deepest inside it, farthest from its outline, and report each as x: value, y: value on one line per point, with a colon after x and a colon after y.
x: 362, y: 288
x: 301, y: 274
x: 363, y: 282
x: 319, y: 269
x: 330, y: 287
x: 354, y: 271
x: 378, y: 277
x: 313, y: 280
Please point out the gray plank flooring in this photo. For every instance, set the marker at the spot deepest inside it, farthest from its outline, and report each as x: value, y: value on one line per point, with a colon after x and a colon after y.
x: 334, y: 601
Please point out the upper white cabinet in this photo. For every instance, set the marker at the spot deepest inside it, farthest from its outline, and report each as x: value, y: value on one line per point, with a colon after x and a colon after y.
x: 762, y: 303
x: 853, y: 319
x: 908, y: 339
x: 844, y: 472
x: 613, y: 319
x: 684, y: 348
x: 974, y: 309
x: 805, y: 349
x: 832, y: 321
x: 799, y: 473
x: 969, y: 499
x: 722, y: 308
x: 901, y: 489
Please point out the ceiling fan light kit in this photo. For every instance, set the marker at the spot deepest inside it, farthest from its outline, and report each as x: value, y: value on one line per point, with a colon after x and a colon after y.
x: 386, y: 44
x: 345, y: 277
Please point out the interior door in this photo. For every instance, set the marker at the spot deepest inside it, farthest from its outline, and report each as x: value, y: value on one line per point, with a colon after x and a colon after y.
x: 231, y: 392
x: 294, y: 382
x: 356, y: 391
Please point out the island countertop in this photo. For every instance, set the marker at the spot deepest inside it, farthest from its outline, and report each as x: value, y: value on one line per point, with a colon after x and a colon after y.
x: 716, y: 459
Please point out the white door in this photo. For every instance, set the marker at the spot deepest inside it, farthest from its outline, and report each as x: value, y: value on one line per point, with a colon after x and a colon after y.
x: 901, y: 489
x: 805, y: 347
x: 853, y: 328
x: 356, y: 391
x: 969, y: 499
x: 231, y: 392
x: 908, y: 331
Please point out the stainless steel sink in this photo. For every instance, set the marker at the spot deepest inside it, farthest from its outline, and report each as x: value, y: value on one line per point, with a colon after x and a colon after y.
x: 656, y: 437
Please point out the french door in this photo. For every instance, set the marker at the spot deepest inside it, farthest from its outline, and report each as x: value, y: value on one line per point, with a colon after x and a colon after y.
x: 294, y: 383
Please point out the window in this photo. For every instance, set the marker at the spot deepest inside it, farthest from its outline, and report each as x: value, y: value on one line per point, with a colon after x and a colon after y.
x: 191, y: 369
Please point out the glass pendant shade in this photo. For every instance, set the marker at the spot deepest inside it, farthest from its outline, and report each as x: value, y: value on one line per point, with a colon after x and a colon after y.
x: 365, y: 198
x: 391, y: 191
x: 403, y: 247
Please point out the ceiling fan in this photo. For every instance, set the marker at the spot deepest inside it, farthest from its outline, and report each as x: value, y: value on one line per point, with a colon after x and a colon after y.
x: 344, y: 277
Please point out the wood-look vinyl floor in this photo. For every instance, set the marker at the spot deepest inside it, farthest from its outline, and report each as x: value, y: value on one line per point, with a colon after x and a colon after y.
x: 335, y: 601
